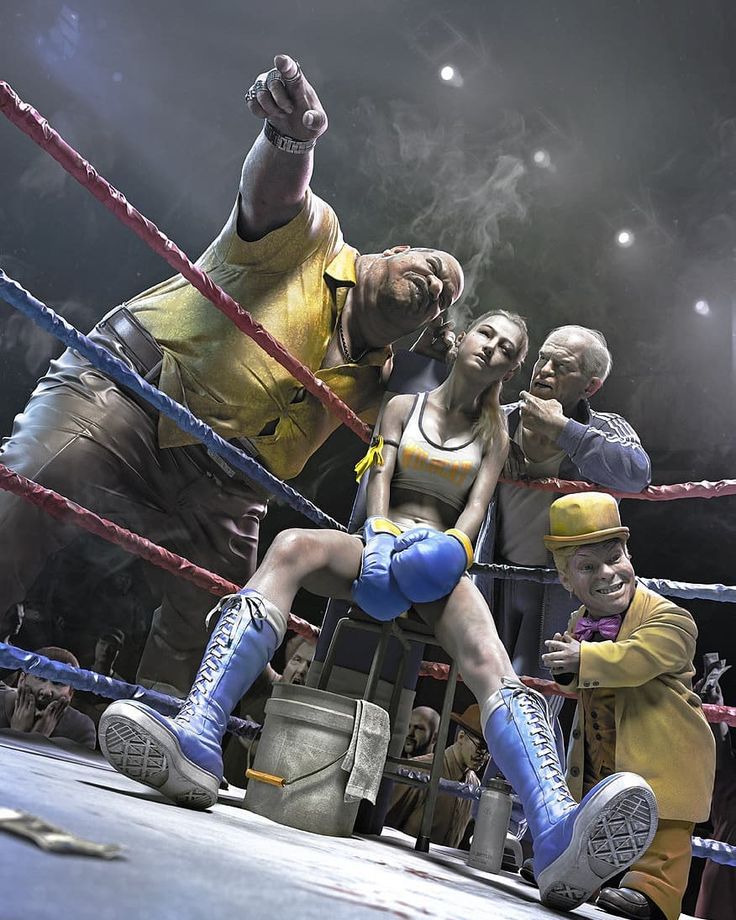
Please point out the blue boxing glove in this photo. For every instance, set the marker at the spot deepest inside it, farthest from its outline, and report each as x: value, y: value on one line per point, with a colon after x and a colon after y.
x: 428, y: 564
x: 375, y: 589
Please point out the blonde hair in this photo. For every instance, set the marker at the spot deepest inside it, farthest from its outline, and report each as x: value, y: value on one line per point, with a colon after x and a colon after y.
x: 491, y: 422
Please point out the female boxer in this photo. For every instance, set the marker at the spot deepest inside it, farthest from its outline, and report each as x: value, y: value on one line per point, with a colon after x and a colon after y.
x: 433, y: 469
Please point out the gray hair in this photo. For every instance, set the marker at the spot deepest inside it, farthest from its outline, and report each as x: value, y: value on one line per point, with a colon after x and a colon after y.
x: 596, y: 360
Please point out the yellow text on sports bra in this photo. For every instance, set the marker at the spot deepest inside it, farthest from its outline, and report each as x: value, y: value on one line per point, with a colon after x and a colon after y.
x: 416, y: 457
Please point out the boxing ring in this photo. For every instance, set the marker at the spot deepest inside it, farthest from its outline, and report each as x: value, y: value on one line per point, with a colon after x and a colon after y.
x: 112, y: 806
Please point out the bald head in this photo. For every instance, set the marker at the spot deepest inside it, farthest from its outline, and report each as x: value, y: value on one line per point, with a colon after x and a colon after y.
x: 399, y: 291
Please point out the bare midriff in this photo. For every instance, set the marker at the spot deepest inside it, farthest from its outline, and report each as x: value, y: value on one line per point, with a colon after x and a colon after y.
x: 409, y: 508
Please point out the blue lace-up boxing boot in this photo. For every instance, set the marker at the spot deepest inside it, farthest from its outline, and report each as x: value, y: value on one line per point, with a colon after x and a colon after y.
x: 182, y: 756
x: 577, y: 847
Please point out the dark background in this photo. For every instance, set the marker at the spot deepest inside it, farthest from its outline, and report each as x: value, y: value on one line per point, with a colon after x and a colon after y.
x: 634, y: 103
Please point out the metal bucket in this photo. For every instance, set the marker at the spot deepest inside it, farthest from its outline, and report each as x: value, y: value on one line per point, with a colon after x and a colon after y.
x: 304, y: 731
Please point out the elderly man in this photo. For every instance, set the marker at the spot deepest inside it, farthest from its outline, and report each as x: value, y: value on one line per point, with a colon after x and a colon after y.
x: 628, y: 653
x: 281, y: 254
x: 554, y: 433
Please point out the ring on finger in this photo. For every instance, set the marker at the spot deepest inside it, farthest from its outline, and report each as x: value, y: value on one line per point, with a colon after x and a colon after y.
x: 258, y: 87
x: 287, y: 80
x: 274, y: 76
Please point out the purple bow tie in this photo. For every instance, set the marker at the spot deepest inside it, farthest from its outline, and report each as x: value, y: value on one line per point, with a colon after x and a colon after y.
x: 587, y: 627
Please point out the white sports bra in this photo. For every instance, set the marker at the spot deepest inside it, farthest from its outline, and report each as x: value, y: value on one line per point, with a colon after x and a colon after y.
x: 445, y: 473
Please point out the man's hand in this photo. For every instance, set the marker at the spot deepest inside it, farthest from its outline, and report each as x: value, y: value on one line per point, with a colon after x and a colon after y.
x: 49, y: 718
x: 437, y: 340
x: 563, y: 654
x: 24, y: 710
x: 287, y: 100
x: 543, y: 417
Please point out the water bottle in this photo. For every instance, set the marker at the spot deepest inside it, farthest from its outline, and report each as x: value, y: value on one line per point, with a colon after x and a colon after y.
x: 491, y: 825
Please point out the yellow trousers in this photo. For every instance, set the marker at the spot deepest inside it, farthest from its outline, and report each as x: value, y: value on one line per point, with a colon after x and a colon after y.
x: 662, y: 871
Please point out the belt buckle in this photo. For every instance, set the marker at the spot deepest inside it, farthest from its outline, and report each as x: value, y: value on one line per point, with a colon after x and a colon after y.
x: 230, y: 471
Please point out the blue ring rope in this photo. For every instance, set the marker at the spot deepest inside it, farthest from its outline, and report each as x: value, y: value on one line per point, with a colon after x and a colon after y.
x: 715, y: 850
x: 12, y: 658
x: 17, y: 296
x: 544, y: 576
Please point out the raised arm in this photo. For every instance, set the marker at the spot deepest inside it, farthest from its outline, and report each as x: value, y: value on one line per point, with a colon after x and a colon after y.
x: 606, y: 450
x: 278, y: 168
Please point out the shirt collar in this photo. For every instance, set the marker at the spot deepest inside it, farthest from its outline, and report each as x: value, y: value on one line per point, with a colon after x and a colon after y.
x: 342, y: 268
x: 582, y: 412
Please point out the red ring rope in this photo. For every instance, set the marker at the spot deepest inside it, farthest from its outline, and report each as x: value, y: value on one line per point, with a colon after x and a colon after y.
x: 25, y: 117
x: 439, y: 671
x: 63, y: 509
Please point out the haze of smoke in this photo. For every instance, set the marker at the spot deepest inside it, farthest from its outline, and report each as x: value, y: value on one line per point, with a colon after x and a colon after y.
x: 441, y: 189
x: 24, y: 342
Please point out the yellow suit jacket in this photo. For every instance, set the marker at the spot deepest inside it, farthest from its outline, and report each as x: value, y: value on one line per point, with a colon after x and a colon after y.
x: 661, y: 732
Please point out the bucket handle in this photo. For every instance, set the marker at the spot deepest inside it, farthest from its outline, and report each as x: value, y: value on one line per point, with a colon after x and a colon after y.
x: 280, y: 781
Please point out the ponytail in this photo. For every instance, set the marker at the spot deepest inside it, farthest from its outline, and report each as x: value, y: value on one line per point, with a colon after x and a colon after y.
x: 490, y: 426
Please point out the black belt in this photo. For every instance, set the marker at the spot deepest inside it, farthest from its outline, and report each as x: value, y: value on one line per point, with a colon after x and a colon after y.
x: 137, y: 343
x: 146, y: 356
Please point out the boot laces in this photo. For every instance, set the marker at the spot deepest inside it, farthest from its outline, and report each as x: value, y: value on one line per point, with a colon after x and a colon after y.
x: 535, y: 709
x: 230, y: 609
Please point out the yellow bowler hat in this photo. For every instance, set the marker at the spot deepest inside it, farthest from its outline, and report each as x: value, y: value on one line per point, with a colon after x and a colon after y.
x: 582, y: 518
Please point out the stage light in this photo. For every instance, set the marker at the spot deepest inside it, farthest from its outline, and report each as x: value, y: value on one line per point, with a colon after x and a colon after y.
x: 541, y: 159
x: 625, y: 238
x: 451, y: 76
x: 702, y: 307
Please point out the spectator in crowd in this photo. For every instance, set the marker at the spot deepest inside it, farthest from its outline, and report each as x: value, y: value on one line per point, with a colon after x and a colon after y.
x: 40, y: 706
x: 421, y: 736
x: 717, y: 896
x: 107, y: 648
x: 462, y: 762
